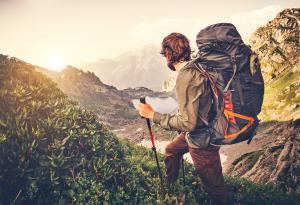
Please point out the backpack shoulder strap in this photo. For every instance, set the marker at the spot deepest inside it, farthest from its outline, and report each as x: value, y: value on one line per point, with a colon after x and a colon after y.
x: 208, y: 76
x: 214, y: 90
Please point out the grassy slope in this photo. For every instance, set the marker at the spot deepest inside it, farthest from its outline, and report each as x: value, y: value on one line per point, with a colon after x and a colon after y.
x: 54, y: 152
x: 281, y: 98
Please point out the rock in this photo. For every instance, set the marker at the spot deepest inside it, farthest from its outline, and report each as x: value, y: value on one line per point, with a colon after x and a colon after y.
x: 278, y: 163
x: 278, y: 41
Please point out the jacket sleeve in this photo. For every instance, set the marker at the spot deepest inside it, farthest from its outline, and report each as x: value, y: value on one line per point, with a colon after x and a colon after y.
x: 190, y: 84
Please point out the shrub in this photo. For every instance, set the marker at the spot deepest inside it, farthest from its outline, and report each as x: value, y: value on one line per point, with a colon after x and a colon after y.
x: 52, y: 151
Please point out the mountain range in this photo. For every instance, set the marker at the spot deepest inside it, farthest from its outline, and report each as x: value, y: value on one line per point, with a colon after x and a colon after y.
x: 144, y: 67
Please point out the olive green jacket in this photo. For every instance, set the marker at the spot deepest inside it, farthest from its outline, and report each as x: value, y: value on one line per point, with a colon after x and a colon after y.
x: 194, y: 102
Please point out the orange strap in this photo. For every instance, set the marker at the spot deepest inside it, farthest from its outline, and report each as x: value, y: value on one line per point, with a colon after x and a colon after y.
x: 250, y: 119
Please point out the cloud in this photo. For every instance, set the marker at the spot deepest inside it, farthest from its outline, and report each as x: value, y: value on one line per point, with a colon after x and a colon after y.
x: 153, y: 31
x: 246, y: 22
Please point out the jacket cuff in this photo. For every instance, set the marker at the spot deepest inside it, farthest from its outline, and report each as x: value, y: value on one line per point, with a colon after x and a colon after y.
x: 156, y: 117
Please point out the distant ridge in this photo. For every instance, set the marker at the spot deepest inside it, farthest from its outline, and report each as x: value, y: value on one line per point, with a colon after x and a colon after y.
x: 144, y: 67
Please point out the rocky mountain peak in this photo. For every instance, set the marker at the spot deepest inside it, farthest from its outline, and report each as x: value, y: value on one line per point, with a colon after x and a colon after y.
x: 277, y: 43
x: 73, y: 72
x: 291, y: 11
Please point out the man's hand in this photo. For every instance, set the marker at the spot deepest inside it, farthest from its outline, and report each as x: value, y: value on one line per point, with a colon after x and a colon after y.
x: 146, y: 111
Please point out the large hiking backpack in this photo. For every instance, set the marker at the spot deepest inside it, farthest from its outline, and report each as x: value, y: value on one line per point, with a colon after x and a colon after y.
x: 236, y: 81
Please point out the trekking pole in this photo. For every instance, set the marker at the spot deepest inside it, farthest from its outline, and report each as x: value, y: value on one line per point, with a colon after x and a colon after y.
x: 143, y: 100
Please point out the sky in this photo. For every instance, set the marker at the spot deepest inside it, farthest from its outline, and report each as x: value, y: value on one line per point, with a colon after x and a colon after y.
x: 54, y: 33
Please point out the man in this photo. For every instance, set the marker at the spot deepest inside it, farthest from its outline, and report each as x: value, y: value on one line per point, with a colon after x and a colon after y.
x: 194, y: 101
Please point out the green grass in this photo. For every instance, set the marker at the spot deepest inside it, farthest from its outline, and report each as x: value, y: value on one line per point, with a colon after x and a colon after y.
x: 278, y: 85
x: 276, y: 100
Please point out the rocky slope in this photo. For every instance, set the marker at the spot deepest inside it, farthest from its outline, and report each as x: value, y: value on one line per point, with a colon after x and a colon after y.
x: 113, y: 107
x: 277, y: 161
x: 141, y: 68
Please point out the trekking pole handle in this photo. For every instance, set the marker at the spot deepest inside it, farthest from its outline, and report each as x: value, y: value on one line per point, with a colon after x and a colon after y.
x: 143, y: 101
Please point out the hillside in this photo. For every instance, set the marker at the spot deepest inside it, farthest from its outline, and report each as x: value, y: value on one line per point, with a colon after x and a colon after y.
x: 54, y: 152
x: 113, y: 107
x: 87, y: 89
x: 144, y: 67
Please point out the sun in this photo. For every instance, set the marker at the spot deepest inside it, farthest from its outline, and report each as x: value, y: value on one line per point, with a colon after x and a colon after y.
x: 56, y: 63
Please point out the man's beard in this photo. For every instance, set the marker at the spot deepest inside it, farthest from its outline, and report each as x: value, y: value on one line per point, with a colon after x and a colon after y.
x: 171, y: 66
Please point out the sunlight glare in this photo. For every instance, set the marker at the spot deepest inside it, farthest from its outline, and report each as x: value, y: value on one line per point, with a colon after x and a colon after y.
x: 56, y: 63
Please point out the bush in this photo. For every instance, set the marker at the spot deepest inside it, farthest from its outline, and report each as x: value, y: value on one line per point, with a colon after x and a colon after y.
x: 52, y: 151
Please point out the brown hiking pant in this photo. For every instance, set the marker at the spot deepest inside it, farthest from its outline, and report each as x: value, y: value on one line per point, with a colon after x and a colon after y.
x: 207, y: 162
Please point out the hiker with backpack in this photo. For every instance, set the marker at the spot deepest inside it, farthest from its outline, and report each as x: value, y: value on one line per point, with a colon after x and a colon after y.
x: 219, y: 96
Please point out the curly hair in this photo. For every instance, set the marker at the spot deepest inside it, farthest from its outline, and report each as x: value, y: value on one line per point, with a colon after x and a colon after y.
x: 176, y: 47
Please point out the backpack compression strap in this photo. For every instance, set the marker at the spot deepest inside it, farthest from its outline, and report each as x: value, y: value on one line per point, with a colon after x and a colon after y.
x: 233, y: 62
x: 250, y: 120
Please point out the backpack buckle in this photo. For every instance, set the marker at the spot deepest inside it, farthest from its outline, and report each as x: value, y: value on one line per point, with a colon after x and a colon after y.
x: 233, y: 59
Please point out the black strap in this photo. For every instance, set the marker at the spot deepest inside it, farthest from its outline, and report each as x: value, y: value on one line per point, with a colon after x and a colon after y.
x: 240, y: 91
x: 233, y: 62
